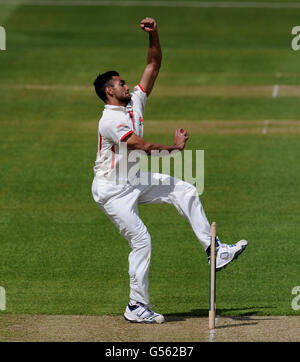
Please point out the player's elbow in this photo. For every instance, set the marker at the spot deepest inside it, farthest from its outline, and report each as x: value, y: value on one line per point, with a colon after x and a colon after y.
x: 138, y: 144
x: 148, y: 147
x: 154, y: 66
x: 157, y: 65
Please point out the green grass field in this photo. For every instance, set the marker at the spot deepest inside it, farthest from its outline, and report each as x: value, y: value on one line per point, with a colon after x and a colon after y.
x: 59, y: 254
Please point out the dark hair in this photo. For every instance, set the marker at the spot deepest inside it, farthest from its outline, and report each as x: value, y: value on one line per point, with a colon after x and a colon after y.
x: 102, y: 81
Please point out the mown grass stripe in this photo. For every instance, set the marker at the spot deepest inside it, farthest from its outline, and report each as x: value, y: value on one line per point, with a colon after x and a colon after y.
x: 181, y: 4
x: 178, y: 90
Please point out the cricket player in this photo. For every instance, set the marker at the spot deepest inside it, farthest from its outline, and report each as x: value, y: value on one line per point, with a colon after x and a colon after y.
x: 117, y: 186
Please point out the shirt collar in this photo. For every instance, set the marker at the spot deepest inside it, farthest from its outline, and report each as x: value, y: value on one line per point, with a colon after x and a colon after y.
x: 115, y: 108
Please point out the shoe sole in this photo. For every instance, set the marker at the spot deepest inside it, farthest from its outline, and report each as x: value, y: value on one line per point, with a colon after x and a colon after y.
x: 142, y: 321
x: 236, y: 255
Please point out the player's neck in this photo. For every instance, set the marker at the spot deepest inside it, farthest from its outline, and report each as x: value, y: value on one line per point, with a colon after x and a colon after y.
x: 116, y: 102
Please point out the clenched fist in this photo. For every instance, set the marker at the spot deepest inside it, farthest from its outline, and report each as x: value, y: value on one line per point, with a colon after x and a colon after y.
x: 149, y: 25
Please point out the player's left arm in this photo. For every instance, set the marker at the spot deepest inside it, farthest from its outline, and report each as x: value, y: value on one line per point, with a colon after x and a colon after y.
x: 154, y: 55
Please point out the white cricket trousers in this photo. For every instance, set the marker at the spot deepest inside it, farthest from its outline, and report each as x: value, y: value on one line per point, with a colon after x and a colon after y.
x: 120, y: 202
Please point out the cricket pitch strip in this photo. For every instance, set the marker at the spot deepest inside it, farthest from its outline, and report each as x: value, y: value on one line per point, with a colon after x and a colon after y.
x: 79, y: 328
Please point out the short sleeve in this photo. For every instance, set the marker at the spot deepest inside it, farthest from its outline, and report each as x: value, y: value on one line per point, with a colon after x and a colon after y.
x: 115, y: 130
x: 139, y: 98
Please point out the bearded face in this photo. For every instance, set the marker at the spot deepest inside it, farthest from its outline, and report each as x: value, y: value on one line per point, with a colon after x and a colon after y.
x: 119, y: 90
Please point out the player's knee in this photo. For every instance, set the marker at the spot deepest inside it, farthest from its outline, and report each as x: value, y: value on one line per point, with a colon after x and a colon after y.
x: 142, y: 243
x: 186, y: 189
x: 190, y: 190
x: 145, y: 241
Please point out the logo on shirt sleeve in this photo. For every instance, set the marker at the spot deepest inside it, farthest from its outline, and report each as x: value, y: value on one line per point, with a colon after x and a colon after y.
x: 121, y: 125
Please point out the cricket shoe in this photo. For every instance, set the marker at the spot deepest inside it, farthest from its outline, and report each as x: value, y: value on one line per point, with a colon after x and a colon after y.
x: 142, y: 313
x: 227, y: 253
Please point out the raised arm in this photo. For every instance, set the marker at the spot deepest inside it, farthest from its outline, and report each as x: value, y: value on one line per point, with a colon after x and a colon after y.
x: 154, y: 55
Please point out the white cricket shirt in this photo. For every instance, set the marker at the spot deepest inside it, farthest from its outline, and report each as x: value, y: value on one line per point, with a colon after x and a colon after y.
x: 114, y: 163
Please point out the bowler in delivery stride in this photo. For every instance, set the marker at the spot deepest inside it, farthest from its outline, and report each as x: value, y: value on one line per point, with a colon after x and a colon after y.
x: 118, y: 194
